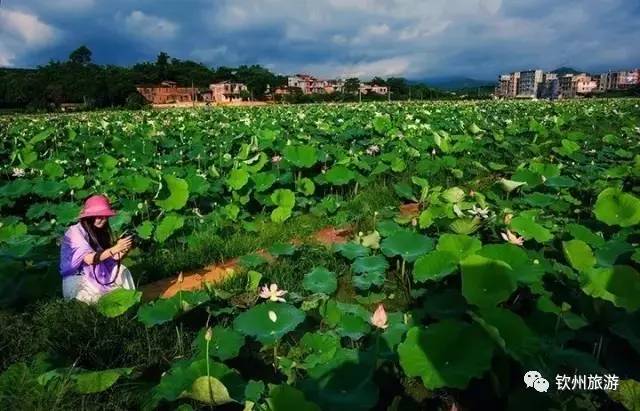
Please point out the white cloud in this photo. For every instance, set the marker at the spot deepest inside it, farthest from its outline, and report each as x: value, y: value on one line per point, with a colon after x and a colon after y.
x: 150, y: 27
x: 21, y: 33
x: 385, y: 67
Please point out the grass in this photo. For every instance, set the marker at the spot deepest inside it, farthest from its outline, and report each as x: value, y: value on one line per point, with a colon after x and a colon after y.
x: 211, y: 244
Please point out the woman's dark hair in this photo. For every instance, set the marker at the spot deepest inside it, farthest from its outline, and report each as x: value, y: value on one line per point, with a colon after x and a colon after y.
x: 99, y: 238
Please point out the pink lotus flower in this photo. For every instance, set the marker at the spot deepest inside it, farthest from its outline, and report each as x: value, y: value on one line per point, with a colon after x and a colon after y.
x: 272, y: 293
x: 512, y: 238
x: 379, y: 318
x: 276, y: 159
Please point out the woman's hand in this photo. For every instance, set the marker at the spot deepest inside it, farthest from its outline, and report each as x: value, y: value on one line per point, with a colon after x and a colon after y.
x: 122, y: 246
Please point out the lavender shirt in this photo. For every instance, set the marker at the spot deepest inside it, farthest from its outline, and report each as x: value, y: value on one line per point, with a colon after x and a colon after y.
x: 75, y: 246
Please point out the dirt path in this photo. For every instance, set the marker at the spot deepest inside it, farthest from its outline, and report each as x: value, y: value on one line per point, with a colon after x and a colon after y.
x: 195, y: 280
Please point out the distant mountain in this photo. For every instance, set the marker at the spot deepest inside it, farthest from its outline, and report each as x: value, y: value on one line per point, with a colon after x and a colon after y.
x: 566, y: 70
x: 453, y: 83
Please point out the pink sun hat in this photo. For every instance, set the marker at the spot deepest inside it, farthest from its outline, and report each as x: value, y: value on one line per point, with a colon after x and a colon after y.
x: 97, y: 206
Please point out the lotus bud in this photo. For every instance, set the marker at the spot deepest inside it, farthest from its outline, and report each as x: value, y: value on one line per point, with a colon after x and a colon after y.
x: 507, y: 218
x: 379, y: 318
x: 180, y: 278
x: 209, y: 334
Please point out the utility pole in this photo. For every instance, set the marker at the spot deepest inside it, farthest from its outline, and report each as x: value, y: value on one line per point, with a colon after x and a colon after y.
x: 359, y: 94
x: 389, y: 94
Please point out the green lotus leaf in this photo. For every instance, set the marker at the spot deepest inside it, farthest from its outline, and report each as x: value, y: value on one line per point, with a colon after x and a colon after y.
x: 280, y: 214
x: 237, y: 179
x: 627, y: 394
x: 579, y: 254
x: 282, y: 249
x: 619, y: 284
x: 560, y: 182
x: 167, y: 226
x: 8, y: 231
x: 264, y: 181
x: 286, y: 398
x: 136, y: 183
x: 343, y: 383
x: 461, y: 246
x: 254, y: 390
x: 629, y: 329
x: 339, y: 175
x: 284, y: 198
x: 351, y: 250
x: 225, y: 343
x: 117, y: 302
x: 370, y: 264
x: 510, y: 185
x: 447, y: 303
x: 352, y: 326
x: 440, y: 354
x: 609, y: 253
x: 253, y: 260
x: 300, y: 156
x: 49, y: 188
x: 406, y: 244
x: 66, y: 212
x: 258, y: 322
x: 371, y: 240
x: 320, y: 280
x: 388, y: 227
x: 580, y: 232
x: 524, y: 270
x: 53, y: 169
x: 209, y: 390
x: 179, y: 194
x: 434, y: 266
x: 98, y: 381
x: 613, y: 207
x: 529, y: 229
x: 179, y: 381
x: 145, y: 230
x: 366, y: 280
x: 453, y: 195
x: 405, y: 191
x: 319, y: 347
x: 382, y: 124
x: 106, y: 161
x: 158, y: 312
x: 510, y: 332
x: 486, y: 282
x: 306, y: 186
x: 197, y: 184
x: 464, y: 226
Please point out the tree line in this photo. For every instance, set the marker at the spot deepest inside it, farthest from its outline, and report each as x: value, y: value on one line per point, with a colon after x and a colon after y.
x: 78, y: 80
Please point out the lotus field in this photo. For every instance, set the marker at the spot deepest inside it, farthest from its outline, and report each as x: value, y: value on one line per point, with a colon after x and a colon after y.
x: 475, y: 242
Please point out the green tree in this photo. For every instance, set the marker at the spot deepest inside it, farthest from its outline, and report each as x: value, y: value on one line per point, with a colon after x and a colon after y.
x: 81, y: 55
x: 352, y: 85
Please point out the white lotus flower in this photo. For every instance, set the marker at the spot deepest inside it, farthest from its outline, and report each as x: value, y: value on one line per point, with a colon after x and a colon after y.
x: 272, y: 293
x: 18, y: 172
x: 482, y: 213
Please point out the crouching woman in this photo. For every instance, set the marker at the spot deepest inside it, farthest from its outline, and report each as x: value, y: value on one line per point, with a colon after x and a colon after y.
x: 90, y: 259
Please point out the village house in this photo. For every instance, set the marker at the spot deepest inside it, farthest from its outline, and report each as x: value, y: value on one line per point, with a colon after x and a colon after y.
x: 373, y: 89
x: 307, y: 84
x: 227, y: 92
x: 167, y: 92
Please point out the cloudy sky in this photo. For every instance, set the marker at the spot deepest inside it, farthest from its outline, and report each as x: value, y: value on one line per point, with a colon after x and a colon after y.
x: 412, y: 38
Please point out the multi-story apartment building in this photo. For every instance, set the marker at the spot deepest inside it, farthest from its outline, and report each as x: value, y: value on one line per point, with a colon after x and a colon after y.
x: 566, y: 86
x: 529, y: 82
x: 584, y: 84
x: 508, y: 85
x: 550, y: 87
